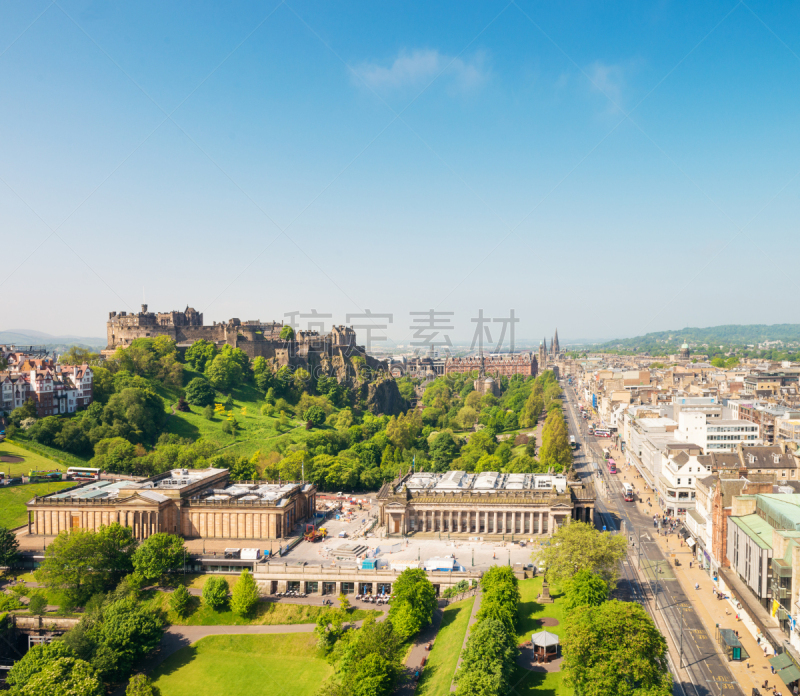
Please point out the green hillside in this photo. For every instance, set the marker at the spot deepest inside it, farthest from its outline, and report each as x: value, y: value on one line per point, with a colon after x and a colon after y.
x: 729, y: 335
x: 256, y: 431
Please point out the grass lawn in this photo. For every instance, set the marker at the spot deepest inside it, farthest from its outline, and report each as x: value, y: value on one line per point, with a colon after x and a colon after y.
x: 13, y: 512
x: 234, y: 665
x: 438, y: 673
x: 529, y: 615
x: 31, y: 460
x: 266, y: 614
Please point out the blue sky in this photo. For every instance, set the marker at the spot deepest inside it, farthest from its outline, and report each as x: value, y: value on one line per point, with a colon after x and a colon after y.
x: 604, y: 170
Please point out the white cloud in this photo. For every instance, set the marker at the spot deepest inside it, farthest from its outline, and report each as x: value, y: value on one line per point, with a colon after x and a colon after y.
x: 608, y: 80
x: 419, y: 67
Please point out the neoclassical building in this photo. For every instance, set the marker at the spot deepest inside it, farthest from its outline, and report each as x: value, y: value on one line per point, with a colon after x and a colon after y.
x: 194, y: 503
x: 488, y: 503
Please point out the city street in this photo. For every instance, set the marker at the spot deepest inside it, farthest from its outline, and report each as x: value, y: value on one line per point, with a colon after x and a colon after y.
x: 648, y: 574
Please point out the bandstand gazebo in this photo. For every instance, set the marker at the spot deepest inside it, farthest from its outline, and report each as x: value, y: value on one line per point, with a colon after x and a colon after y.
x: 545, y: 646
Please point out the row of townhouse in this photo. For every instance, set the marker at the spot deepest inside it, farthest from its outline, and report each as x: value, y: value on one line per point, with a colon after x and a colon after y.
x: 55, y: 389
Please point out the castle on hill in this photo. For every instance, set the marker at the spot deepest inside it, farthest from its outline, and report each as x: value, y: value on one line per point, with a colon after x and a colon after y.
x: 255, y: 338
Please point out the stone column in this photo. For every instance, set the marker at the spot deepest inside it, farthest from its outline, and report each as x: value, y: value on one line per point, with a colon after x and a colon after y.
x: 450, y: 522
x: 494, y: 526
x: 505, y: 525
x: 513, y: 522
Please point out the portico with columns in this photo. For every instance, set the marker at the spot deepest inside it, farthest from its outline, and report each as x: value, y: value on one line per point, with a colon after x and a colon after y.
x: 489, y: 504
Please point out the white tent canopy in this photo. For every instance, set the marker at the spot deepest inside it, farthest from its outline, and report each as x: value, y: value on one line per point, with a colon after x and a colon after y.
x: 543, y: 639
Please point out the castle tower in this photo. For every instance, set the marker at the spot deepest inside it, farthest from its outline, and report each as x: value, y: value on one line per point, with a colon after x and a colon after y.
x: 554, y: 347
x: 543, y: 355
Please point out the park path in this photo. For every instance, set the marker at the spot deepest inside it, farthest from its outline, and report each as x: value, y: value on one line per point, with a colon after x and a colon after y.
x: 407, y: 683
x: 472, y: 619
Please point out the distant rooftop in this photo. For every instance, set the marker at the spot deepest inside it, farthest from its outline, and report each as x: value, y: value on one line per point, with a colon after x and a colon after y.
x: 174, y: 481
x: 484, y: 482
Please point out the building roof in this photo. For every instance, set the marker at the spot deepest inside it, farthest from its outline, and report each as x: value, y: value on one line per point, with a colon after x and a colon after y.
x: 782, y: 511
x: 681, y: 458
x: 755, y: 528
x: 720, y: 460
x: 766, y: 457
x: 484, y: 482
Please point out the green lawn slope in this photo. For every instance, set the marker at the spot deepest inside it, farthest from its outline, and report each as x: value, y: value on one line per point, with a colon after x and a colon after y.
x: 256, y: 432
x: 244, y: 664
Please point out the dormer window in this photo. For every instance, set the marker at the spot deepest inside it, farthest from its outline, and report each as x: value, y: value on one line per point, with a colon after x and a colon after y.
x: 776, y: 458
x: 751, y: 458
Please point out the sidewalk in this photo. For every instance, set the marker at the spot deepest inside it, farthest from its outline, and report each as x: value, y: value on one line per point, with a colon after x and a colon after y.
x: 750, y: 673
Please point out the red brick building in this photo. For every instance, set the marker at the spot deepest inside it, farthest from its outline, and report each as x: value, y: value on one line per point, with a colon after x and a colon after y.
x: 500, y: 365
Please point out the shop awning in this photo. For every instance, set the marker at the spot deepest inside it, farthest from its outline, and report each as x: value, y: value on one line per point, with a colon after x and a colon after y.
x: 690, y: 542
x: 789, y: 675
x: 781, y: 661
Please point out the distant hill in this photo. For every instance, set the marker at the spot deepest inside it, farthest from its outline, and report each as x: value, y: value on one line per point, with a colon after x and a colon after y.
x: 713, y: 336
x: 29, y: 337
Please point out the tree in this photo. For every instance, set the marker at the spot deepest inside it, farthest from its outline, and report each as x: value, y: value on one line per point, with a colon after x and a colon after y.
x: 44, y: 431
x: 130, y: 631
x: 291, y: 466
x: 373, y: 676
x: 244, y: 470
x: 208, y: 412
x: 65, y: 676
x: 179, y: 600
x: 35, y: 660
x: 27, y: 410
x: 76, y: 355
x: 245, y: 595
x: 344, y: 603
x: 215, y: 592
x: 585, y: 588
x: 301, y: 379
x: 443, y: 450
x: 142, y: 410
x: 555, y: 450
x: 287, y: 333
x: 615, y: 648
x: 488, y: 660
x: 116, y: 546
x: 199, y: 392
x: 200, y: 354
x: 579, y: 546
x: 8, y: 547
x: 314, y: 415
x: 224, y: 372
x: 140, y: 685
x: 413, y: 604
x: 404, y: 429
x: 158, y: 555
x: 81, y: 563
x: 102, y: 384
x: 466, y: 418
x: 37, y: 604
x: 329, y: 628
x: 69, y: 564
